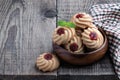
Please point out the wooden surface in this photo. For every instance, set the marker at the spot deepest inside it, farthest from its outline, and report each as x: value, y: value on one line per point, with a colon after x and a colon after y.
x: 25, y: 32
x: 26, y: 28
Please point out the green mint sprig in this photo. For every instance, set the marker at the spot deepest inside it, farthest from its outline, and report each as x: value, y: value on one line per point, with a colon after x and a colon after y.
x: 66, y: 24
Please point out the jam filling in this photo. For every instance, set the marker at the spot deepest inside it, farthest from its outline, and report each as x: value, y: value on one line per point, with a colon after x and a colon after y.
x: 60, y: 31
x: 48, y: 56
x: 73, y: 47
x: 79, y: 15
x: 93, y: 36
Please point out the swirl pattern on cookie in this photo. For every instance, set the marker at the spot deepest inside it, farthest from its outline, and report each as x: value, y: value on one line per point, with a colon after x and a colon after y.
x: 62, y: 35
x: 92, y: 38
x: 47, y: 62
x: 82, y: 20
x: 75, y: 45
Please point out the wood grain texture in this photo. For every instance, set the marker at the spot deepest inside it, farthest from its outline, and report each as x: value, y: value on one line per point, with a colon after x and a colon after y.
x: 66, y: 8
x: 25, y: 32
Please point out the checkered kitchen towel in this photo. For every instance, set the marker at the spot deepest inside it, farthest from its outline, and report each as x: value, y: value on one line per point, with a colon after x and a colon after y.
x: 107, y: 16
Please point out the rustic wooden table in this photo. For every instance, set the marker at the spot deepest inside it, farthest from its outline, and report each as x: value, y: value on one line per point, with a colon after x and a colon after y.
x: 26, y: 28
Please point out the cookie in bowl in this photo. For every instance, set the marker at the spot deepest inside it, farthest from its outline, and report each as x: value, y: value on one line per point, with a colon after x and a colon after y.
x: 92, y: 38
x: 75, y: 45
x: 82, y: 20
x: 62, y: 35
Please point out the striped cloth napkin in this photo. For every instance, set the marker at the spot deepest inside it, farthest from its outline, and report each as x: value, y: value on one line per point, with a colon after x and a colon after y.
x: 107, y: 16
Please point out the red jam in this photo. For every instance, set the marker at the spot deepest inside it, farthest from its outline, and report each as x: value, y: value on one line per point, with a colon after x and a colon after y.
x: 48, y: 56
x: 73, y: 47
x: 93, y: 36
x: 60, y: 31
x: 79, y: 15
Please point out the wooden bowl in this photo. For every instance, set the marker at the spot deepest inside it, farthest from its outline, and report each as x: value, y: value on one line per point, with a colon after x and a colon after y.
x: 85, y: 58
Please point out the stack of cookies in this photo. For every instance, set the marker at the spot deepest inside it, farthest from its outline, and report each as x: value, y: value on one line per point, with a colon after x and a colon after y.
x: 83, y: 35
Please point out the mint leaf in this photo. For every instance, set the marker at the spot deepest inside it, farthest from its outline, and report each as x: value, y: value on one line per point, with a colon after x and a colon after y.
x: 71, y: 25
x: 61, y: 23
x: 65, y: 24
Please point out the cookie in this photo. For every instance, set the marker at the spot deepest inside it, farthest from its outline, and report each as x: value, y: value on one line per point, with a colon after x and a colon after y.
x: 47, y: 62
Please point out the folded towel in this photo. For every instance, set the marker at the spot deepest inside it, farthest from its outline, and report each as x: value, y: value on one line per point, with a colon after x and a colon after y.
x: 107, y: 16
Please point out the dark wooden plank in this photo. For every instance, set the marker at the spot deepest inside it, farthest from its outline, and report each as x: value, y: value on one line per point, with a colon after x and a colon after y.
x: 87, y: 77
x: 66, y: 8
x: 28, y: 77
x: 60, y: 77
x: 26, y: 28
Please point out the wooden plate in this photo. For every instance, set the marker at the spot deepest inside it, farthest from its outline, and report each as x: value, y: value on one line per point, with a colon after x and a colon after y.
x: 85, y: 58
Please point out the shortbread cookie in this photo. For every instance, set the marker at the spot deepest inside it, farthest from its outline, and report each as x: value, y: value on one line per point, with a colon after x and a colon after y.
x: 75, y: 45
x: 63, y: 35
x: 47, y: 62
x: 92, y: 38
x: 82, y: 20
